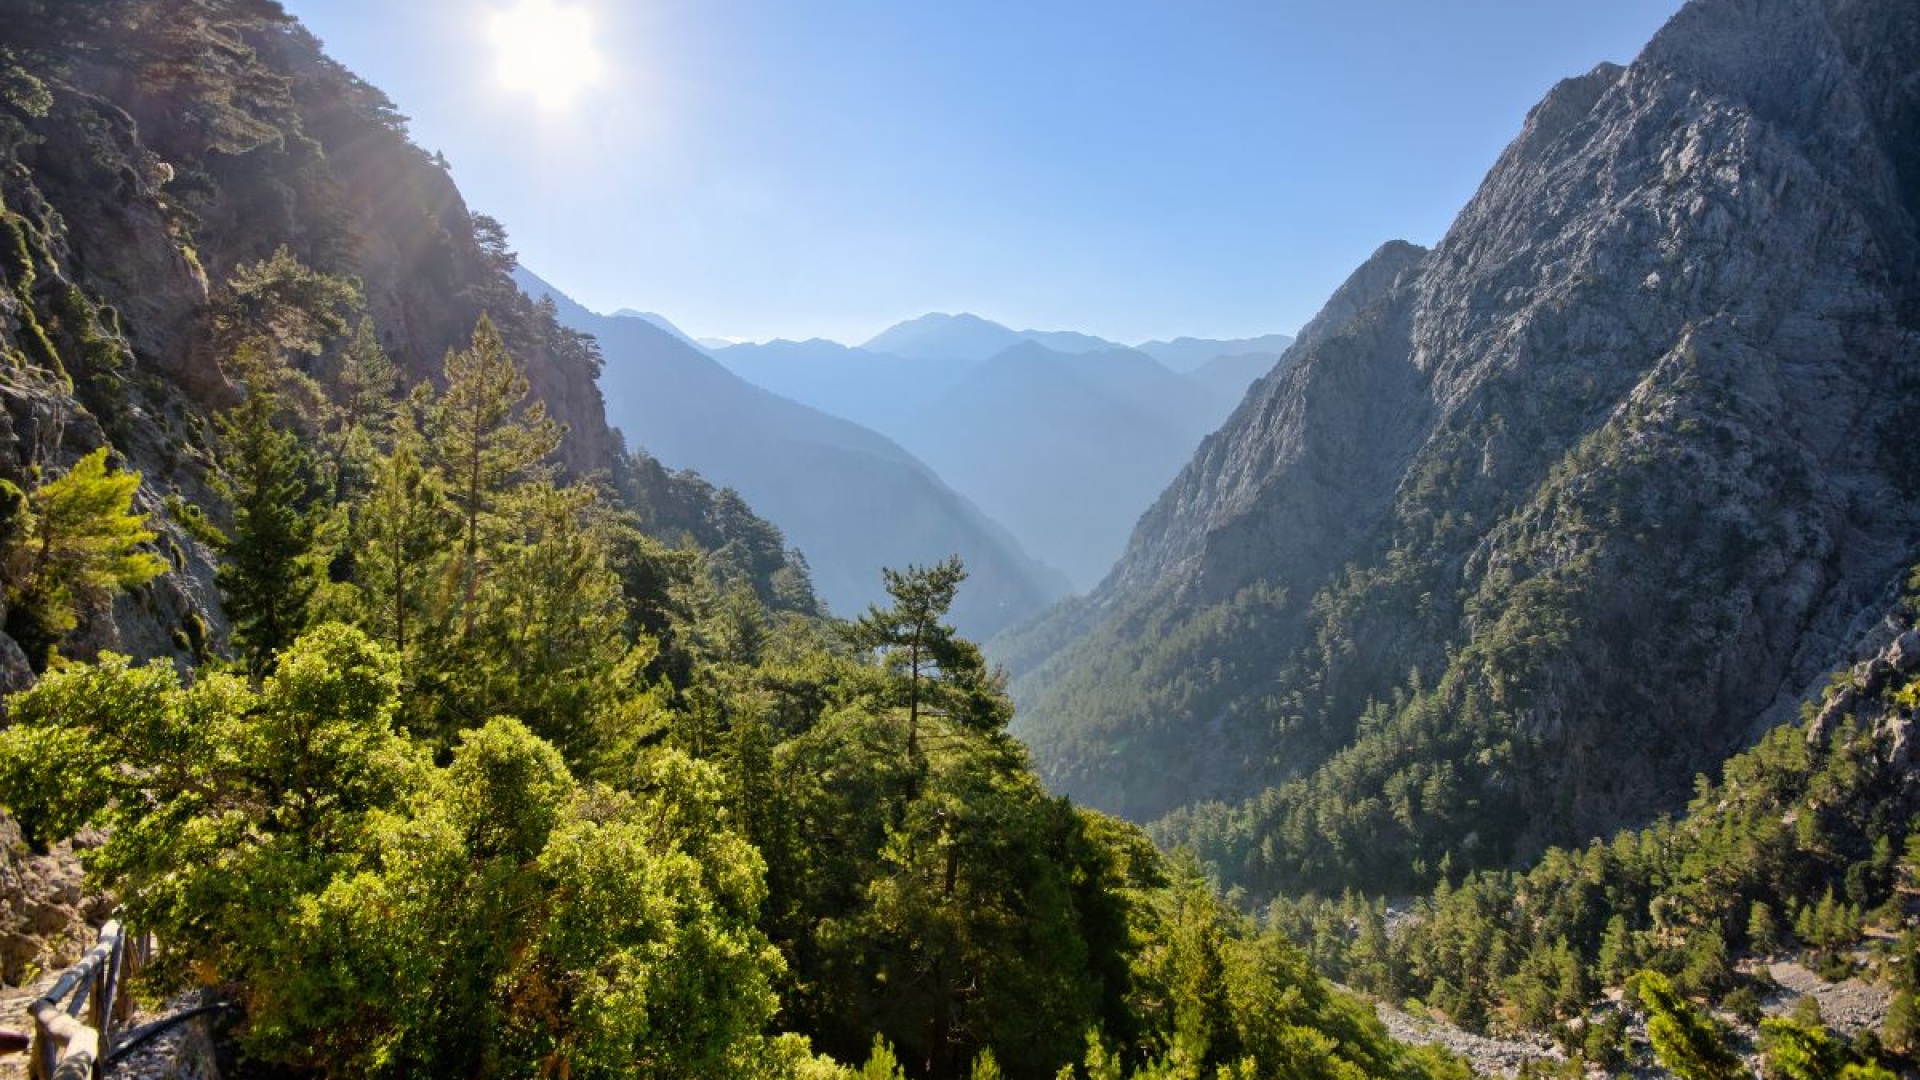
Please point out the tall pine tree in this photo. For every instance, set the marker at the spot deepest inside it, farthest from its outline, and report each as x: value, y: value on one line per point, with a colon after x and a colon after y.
x: 485, y: 441
x: 268, y: 478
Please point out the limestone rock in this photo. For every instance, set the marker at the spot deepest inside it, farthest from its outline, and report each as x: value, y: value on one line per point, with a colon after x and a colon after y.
x: 1616, y: 467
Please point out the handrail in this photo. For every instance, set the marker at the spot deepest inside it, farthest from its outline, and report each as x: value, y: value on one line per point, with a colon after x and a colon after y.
x: 65, y: 1047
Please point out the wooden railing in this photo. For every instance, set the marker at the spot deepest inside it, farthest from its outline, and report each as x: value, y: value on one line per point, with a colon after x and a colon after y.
x: 66, y: 1047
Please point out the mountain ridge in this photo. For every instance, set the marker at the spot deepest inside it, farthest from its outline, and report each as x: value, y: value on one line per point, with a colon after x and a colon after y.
x: 850, y: 498
x: 1627, y: 465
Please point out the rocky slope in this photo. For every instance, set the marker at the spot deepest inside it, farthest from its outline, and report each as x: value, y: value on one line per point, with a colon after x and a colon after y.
x: 1540, y: 522
x: 148, y: 151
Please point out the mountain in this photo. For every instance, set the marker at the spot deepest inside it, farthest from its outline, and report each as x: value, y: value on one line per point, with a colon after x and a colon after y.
x: 148, y: 158
x: 970, y: 337
x: 660, y: 321
x: 1187, y: 354
x: 851, y: 500
x: 1538, y: 523
x: 868, y: 388
x: 594, y: 804
x: 1064, y: 447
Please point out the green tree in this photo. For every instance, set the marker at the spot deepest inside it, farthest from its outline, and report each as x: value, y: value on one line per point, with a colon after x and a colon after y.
x: 365, y: 392
x: 881, y: 1062
x: 222, y: 804
x: 1763, y: 929
x: 485, y: 440
x: 268, y: 478
x: 382, y: 917
x: 554, y: 615
x: 285, y: 304
x: 66, y: 547
x: 939, y: 672
x: 1689, y: 1044
x: 1900, y: 1030
x: 1791, y: 1050
x: 404, y: 525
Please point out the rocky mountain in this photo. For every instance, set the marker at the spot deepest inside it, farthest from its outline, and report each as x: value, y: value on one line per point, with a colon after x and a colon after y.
x: 150, y: 152
x: 850, y: 499
x: 1540, y: 522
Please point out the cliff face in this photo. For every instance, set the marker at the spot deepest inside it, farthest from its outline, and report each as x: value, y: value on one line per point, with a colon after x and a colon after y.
x: 1541, y: 522
x: 147, y: 151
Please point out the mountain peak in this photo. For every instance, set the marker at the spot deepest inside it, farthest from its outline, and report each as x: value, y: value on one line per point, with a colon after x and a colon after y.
x: 1589, y: 492
x: 969, y: 337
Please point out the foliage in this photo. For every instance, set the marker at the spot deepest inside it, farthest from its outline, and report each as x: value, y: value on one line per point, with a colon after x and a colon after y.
x: 268, y: 478
x: 1688, y: 1043
x: 66, y: 547
x: 1792, y: 850
x: 384, y: 917
x: 484, y: 445
x: 286, y: 305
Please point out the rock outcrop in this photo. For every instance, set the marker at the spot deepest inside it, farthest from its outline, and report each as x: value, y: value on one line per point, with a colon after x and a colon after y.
x: 1541, y: 522
x: 147, y: 152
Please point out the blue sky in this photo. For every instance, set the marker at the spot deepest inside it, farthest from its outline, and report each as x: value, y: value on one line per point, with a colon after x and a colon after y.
x: 1129, y: 168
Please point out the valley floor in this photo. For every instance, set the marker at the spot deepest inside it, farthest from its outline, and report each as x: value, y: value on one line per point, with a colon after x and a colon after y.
x: 1849, y: 1006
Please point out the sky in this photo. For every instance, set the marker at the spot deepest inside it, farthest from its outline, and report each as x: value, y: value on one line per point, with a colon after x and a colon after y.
x: 1134, y: 169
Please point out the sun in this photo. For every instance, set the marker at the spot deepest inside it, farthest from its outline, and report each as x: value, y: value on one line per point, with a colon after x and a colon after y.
x: 545, y: 48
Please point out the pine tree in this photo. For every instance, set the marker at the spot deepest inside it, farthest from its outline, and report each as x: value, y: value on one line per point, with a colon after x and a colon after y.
x: 67, y: 546
x: 554, y: 617
x: 941, y: 673
x: 484, y: 441
x: 403, y: 526
x: 364, y: 404
x: 1900, y: 1031
x: 268, y: 477
x: 1687, y: 1042
x: 1799, y: 1051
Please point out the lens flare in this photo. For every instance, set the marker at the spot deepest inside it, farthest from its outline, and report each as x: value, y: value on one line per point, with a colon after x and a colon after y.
x: 546, y: 50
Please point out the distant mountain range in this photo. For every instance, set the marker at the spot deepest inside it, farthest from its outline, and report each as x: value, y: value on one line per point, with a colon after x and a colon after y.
x: 850, y: 499
x: 1187, y: 354
x: 660, y: 321
x: 1063, y: 437
x: 970, y: 337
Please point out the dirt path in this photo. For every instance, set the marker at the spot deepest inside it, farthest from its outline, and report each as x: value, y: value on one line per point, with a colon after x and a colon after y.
x: 13, y: 1017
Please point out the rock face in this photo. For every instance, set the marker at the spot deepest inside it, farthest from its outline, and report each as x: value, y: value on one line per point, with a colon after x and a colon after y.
x: 45, y: 913
x: 147, y: 151
x: 1539, y: 523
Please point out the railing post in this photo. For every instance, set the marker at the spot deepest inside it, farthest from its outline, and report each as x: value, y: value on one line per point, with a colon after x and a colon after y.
x: 41, y: 1056
x: 64, y: 1047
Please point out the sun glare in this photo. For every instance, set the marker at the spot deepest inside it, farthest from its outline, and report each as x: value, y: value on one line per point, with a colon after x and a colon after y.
x: 546, y: 50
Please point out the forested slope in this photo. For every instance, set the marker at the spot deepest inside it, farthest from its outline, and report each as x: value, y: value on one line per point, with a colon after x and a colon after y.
x: 456, y: 741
